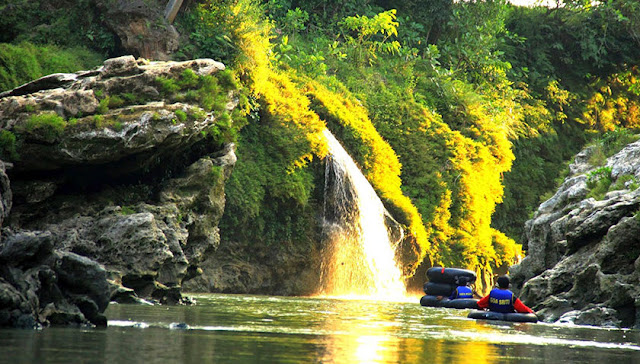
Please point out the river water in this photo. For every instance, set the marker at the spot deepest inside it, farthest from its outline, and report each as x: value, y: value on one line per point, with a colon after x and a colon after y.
x: 267, y: 329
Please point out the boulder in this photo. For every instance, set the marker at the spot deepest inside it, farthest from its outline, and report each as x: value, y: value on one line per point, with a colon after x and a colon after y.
x: 583, y: 255
x: 141, y: 27
x: 40, y: 286
x: 118, y: 168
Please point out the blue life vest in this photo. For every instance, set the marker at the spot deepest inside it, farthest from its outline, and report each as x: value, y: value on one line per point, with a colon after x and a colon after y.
x: 462, y: 292
x: 501, y: 300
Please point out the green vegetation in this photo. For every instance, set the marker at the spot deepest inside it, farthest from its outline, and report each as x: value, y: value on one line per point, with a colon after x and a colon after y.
x: 599, y: 182
x: 49, y: 126
x: 609, y: 144
x: 625, y: 182
x: 181, y: 115
x: 25, y: 62
x: 127, y: 210
x: 65, y: 23
x: 462, y: 115
x: 8, y: 146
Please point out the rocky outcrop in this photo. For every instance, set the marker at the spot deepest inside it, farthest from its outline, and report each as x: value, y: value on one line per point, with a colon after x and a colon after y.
x: 583, y: 255
x: 42, y: 286
x: 141, y: 27
x: 117, y: 165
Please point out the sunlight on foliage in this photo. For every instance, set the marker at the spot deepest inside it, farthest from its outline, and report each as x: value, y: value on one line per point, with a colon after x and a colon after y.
x: 361, y: 35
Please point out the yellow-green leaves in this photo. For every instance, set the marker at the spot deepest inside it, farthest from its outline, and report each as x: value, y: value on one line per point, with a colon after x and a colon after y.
x: 369, y: 36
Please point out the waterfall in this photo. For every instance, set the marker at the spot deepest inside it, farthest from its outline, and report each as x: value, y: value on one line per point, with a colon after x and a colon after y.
x: 359, y: 258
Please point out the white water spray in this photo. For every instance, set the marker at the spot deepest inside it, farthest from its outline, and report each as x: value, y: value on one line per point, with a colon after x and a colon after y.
x: 359, y: 257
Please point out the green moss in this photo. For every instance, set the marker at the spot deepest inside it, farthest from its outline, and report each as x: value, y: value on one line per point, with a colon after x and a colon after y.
x: 115, y: 101
x: 48, y: 125
x: 167, y: 86
x: 98, y: 121
x: 130, y: 98
x: 191, y: 95
x: 188, y: 79
x: 215, y: 174
x: 127, y: 210
x: 103, y: 106
x: 196, y: 113
x: 8, y: 146
x: 116, y: 125
x: 227, y: 80
x: 181, y: 115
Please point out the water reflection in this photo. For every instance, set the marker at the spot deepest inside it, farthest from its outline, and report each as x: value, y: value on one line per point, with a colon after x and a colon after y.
x: 374, y: 333
x: 358, y: 333
x: 250, y: 329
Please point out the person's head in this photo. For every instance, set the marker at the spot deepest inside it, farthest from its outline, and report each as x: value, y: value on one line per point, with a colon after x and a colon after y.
x: 503, y: 282
x: 462, y: 281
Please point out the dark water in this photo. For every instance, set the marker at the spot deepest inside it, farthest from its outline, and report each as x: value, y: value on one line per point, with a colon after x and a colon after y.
x: 263, y: 329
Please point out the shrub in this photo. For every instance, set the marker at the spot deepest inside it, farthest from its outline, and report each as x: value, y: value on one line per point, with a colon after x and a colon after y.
x: 598, y: 182
x: 626, y: 181
x: 168, y: 87
x: 115, y: 102
x: 609, y: 144
x: 103, y: 106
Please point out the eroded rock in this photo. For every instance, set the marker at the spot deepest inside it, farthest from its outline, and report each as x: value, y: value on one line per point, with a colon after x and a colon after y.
x: 40, y: 286
x: 583, y: 255
x: 113, y: 168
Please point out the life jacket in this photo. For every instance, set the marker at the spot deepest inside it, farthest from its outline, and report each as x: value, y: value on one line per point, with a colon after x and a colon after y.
x: 501, y: 300
x: 463, y: 292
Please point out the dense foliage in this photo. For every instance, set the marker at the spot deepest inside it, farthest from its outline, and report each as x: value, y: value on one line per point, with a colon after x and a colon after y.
x: 462, y: 115
x: 65, y: 23
x: 577, y: 65
x: 25, y: 62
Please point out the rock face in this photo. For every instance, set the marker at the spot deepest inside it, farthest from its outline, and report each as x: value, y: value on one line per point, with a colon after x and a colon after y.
x: 41, y: 286
x: 141, y: 27
x: 113, y: 169
x: 583, y: 262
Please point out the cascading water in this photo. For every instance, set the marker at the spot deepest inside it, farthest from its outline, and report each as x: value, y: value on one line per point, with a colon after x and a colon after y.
x: 359, y: 257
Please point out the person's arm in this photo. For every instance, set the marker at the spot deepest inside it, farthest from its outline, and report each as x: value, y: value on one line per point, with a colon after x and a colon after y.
x: 454, y: 294
x: 483, y: 302
x: 520, y: 307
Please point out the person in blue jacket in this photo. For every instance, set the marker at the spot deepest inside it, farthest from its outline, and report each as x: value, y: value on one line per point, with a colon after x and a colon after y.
x: 463, y: 290
x: 501, y: 299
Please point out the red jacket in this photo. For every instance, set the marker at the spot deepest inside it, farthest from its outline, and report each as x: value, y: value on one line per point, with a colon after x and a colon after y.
x: 517, y: 305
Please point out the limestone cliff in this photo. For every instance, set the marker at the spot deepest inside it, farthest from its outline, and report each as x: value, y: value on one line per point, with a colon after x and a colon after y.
x: 583, y: 255
x: 119, y: 165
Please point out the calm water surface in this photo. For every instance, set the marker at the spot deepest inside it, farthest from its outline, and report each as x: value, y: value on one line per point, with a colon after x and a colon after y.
x: 264, y: 329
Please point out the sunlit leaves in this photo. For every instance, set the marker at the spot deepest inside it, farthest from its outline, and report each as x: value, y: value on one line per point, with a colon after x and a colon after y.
x: 361, y: 32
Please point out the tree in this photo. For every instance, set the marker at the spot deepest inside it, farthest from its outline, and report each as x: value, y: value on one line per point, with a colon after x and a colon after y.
x: 370, y: 36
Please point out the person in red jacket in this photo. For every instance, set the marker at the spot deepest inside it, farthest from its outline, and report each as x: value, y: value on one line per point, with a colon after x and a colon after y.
x: 501, y: 299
